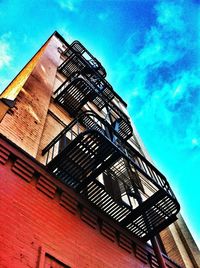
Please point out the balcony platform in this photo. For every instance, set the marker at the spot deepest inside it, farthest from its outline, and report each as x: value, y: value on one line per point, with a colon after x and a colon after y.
x: 72, y: 96
x: 76, y: 48
x: 89, y: 153
x: 84, y: 158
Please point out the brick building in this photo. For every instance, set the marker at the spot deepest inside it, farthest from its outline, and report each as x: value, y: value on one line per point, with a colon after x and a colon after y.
x: 77, y: 187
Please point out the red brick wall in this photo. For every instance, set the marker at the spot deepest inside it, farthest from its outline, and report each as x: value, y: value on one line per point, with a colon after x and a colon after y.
x: 31, y: 217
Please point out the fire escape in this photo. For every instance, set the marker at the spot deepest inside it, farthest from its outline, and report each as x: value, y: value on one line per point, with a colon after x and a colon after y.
x: 93, y: 154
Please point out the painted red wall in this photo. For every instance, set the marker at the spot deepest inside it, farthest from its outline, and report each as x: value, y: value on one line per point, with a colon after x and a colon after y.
x: 30, y: 219
x: 44, y: 224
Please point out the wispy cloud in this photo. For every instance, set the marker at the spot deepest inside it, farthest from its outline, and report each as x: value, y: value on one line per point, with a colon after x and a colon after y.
x: 64, y: 32
x: 5, y: 52
x: 70, y: 5
x: 103, y: 16
x: 195, y: 142
x: 4, y: 82
x: 170, y: 15
x: 161, y: 72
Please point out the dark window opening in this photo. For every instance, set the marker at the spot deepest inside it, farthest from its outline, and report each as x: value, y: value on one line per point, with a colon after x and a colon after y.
x: 112, y: 186
x: 51, y: 262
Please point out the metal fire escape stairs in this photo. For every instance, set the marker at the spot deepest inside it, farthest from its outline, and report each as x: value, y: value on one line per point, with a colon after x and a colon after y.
x: 89, y: 147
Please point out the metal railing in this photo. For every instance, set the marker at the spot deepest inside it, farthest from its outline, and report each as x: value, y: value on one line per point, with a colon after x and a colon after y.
x: 91, y: 121
x: 76, y: 63
x: 77, y: 48
x: 102, y: 97
x: 141, y: 200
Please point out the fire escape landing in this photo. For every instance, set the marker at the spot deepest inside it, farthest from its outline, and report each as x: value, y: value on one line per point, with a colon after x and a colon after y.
x: 88, y: 149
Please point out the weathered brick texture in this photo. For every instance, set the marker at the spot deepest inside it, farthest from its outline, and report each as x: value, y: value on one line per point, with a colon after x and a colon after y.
x: 170, y: 247
x: 31, y: 218
x: 40, y: 214
x: 25, y: 122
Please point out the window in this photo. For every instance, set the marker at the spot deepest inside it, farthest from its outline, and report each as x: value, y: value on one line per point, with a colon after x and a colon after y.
x: 49, y: 259
x: 51, y: 262
x: 112, y: 186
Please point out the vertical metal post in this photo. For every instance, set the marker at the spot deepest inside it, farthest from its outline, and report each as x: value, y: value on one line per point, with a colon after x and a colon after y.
x: 154, y: 240
x: 109, y: 133
x: 158, y: 253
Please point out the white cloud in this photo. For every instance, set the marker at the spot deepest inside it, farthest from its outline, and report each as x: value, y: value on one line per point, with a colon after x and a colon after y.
x: 64, y: 32
x: 5, y: 51
x: 70, y: 5
x: 103, y: 16
x: 170, y: 15
x: 159, y: 73
x: 184, y: 81
x: 166, y: 41
x: 195, y: 141
x: 4, y: 82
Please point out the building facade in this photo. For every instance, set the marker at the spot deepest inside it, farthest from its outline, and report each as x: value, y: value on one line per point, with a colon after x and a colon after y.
x: 77, y: 187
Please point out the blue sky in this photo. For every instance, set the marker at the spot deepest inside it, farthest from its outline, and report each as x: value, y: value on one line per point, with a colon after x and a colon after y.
x: 150, y: 50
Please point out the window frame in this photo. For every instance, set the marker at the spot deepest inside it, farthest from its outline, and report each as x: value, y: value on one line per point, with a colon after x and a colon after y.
x: 44, y: 251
